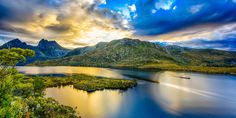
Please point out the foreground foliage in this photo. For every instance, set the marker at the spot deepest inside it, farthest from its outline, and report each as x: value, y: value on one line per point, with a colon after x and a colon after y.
x: 21, y: 97
x: 10, y: 57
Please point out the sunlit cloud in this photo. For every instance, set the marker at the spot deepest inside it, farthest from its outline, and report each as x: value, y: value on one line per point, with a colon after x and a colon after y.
x: 77, y: 23
x: 68, y: 21
x: 164, y: 4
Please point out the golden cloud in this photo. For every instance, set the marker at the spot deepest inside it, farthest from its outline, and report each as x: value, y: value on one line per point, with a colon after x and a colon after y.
x: 73, y: 21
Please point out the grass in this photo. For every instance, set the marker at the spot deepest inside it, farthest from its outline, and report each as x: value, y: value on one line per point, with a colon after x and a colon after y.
x: 88, y: 83
x: 22, y: 97
x: 101, y: 84
x: 170, y: 66
x: 202, y: 69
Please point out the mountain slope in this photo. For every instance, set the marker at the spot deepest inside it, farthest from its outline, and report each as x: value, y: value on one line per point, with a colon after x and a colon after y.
x: 15, y: 43
x: 43, y: 51
x: 134, y: 53
x: 80, y: 51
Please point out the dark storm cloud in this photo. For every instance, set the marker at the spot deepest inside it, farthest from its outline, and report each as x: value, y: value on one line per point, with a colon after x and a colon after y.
x: 225, y: 44
x: 59, y: 28
x: 9, y: 28
x: 162, y: 16
x: 17, y: 11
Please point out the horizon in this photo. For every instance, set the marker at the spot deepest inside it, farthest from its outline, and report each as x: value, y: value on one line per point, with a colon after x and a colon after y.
x: 162, y: 44
x: 194, y: 24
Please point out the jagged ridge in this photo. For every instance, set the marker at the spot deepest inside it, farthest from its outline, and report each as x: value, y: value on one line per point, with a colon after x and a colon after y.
x: 136, y: 53
x: 44, y: 50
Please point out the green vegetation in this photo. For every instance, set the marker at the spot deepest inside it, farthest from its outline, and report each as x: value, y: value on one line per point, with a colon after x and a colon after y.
x: 10, y: 57
x: 138, y: 54
x: 203, y: 69
x: 100, y: 84
x: 88, y: 83
x: 21, y: 97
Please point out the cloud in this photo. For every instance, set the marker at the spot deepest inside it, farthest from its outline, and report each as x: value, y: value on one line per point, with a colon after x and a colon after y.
x: 154, y: 11
x: 204, y: 31
x: 164, y: 4
x: 224, y: 32
x: 61, y: 20
x: 225, y: 44
x: 85, y: 22
x: 173, y: 15
x: 196, y: 8
x: 215, y: 36
x: 132, y: 8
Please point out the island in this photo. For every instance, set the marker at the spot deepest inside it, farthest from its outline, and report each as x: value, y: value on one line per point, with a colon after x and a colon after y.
x: 86, y: 82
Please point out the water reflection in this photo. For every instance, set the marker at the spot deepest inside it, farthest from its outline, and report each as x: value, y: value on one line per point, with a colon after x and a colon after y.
x: 204, y: 95
x: 69, y: 70
x: 201, y: 96
x: 89, y: 105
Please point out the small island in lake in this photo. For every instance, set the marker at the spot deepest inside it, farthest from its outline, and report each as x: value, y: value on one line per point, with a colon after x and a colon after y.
x: 88, y: 83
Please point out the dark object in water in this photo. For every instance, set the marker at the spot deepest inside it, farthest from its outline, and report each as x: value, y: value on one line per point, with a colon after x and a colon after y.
x: 141, y: 78
x: 50, y: 75
x: 184, y: 77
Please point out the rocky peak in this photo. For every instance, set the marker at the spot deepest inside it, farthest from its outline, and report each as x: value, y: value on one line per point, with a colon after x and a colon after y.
x: 14, y: 43
x: 43, y: 43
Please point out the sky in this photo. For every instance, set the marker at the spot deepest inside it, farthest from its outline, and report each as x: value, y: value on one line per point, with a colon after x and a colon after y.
x: 78, y: 23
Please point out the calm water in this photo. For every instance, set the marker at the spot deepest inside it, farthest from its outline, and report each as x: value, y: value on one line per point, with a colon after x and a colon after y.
x: 204, y: 95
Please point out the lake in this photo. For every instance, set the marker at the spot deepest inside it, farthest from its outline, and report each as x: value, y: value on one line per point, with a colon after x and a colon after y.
x: 203, y: 95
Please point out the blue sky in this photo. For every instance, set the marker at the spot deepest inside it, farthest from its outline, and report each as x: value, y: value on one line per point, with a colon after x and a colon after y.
x: 75, y: 23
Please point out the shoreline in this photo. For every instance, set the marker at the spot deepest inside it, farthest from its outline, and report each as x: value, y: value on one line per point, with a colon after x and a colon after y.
x: 158, y: 69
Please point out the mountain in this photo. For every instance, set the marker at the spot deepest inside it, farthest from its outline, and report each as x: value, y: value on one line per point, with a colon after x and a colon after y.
x: 133, y: 53
x: 52, y: 48
x: 43, y: 51
x: 80, y: 51
x: 15, y: 43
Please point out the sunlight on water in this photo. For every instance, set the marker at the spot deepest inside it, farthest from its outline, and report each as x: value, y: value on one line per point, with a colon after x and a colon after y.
x: 89, y: 105
x: 69, y: 71
x: 200, y: 96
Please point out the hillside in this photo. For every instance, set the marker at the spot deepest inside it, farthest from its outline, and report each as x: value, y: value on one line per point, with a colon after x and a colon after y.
x: 133, y: 53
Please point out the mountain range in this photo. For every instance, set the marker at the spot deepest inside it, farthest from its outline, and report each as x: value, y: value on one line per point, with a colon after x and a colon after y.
x: 43, y: 51
x: 127, y: 53
x: 133, y: 53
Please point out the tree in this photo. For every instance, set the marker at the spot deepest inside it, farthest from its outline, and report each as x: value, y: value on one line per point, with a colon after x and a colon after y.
x: 10, y: 57
x: 10, y: 106
x: 38, y: 85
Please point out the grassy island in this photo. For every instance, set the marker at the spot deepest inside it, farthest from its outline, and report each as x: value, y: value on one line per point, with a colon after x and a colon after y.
x: 88, y: 83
